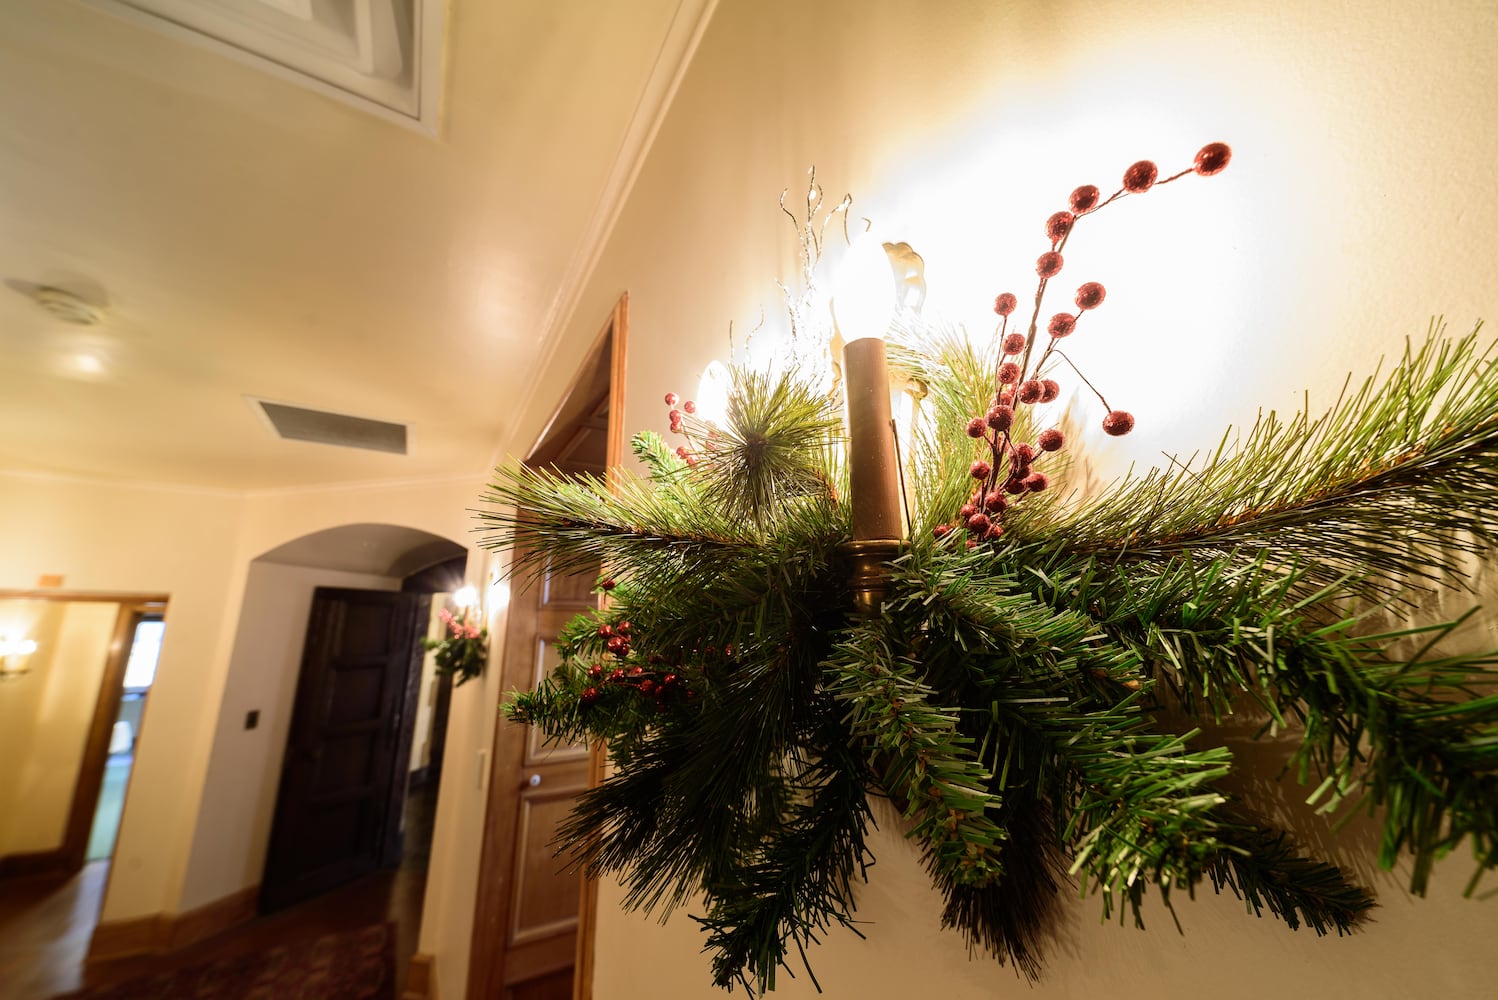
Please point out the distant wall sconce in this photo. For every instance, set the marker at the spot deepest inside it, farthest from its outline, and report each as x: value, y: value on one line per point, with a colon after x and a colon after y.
x: 466, y: 597
x: 15, y: 657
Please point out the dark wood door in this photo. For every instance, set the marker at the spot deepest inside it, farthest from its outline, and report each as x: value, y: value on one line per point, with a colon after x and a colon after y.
x: 525, y: 933
x: 342, y: 782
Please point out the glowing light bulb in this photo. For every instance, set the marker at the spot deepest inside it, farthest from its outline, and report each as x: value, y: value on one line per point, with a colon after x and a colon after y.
x: 467, y: 597
x: 863, y: 291
x: 712, y: 393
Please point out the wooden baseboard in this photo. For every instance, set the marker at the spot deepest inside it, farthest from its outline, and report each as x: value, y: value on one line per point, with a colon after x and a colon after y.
x: 163, y: 933
x: 53, y: 862
x: 421, y: 978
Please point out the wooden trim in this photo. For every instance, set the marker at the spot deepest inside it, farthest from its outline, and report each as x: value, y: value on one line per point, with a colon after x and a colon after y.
x: 96, y: 746
x: 213, y: 918
x: 162, y: 933
x: 491, y: 910
x: 35, y: 864
x: 587, y: 908
x: 421, y: 978
x: 154, y: 602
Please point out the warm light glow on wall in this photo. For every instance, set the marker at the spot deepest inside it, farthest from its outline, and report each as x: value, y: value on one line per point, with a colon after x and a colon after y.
x: 712, y: 392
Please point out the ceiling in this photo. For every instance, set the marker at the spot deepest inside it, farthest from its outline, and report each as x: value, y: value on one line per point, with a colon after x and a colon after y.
x: 248, y: 236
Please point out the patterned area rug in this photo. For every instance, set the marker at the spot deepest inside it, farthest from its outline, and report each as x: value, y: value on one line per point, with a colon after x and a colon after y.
x: 354, y: 965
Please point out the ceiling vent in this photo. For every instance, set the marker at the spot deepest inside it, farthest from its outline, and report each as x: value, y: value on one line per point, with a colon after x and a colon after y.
x: 384, y: 56
x: 295, y: 423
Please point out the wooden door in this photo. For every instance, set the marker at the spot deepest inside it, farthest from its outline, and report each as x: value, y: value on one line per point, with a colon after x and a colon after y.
x: 531, y: 915
x: 342, y: 781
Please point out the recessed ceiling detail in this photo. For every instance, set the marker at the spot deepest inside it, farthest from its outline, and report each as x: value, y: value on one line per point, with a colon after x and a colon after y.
x: 296, y: 423
x: 381, y: 55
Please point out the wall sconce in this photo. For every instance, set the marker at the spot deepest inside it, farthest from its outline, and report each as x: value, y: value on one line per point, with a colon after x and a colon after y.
x: 15, y: 657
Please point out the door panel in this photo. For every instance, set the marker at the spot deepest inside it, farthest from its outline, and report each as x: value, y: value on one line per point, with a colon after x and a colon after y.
x: 533, y: 922
x: 335, y: 814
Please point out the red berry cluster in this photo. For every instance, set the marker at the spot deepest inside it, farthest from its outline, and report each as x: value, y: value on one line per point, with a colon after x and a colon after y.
x: 1008, y: 468
x: 657, y: 679
x: 687, y: 408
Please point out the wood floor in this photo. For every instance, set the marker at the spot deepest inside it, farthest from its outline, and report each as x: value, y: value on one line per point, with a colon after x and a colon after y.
x: 45, y: 928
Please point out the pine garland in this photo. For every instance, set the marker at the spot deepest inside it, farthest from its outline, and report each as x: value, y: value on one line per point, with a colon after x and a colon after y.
x: 1012, y: 696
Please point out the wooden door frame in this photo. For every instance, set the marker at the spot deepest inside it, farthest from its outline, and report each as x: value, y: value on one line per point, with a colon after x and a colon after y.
x: 68, y: 857
x: 491, y: 907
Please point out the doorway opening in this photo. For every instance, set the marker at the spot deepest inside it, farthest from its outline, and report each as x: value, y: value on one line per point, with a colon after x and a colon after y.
x: 71, y: 717
x: 532, y: 928
x: 146, y: 632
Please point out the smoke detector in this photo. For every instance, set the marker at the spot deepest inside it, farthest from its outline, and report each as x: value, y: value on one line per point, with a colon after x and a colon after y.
x: 68, y: 307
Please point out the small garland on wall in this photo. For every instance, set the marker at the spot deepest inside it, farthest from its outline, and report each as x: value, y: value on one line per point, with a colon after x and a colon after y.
x: 462, y: 650
x: 1008, y: 696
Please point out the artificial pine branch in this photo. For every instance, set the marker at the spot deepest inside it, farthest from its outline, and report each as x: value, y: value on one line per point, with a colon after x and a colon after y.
x: 1393, y: 482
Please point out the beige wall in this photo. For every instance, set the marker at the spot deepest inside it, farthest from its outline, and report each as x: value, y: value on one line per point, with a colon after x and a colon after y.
x: 1358, y: 204
x: 45, y: 716
x: 119, y: 538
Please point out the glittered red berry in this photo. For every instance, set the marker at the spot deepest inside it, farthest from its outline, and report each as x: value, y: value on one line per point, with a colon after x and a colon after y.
x: 1050, y: 440
x: 1118, y: 423
x: 1048, y: 264
x: 676, y: 427
x: 1025, y: 453
x: 1058, y: 225
x: 605, y: 629
x: 980, y: 469
x: 1029, y: 391
x: 1084, y: 198
x: 1014, y: 343
x: 978, y: 523
x: 1001, y: 418
x: 623, y: 628
x: 690, y: 459
x: 1140, y: 177
x: 972, y: 543
x: 1061, y: 325
x: 689, y: 406
x: 671, y: 398
x: 1036, y: 481
x: 994, y: 503
x: 608, y: 584
x: 1212, y: 158
x: 670, y: 680
x: 967, y: 511
x: 595, y: 671
x: 1012, y: 485
x: 1050, y: 389
x: 616, y: 643
x: 589, y: 696
x: 1091, y: 295
x: 1005, y: 304
x: 976, y: 427
x: 617, y: 674
x: 682, y: 452
x: 1006, y: 398
x: 942, y: 530
x: 1009, y: 373
x: 636, y: 671
x: 675, y: 416
x: 994, y: 533
x: 647, y: 686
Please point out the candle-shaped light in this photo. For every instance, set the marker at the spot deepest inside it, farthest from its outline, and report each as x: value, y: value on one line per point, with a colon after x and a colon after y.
x: 863, y: 305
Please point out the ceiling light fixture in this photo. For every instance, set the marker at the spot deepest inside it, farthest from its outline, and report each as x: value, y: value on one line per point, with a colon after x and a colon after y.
x: 66, y: 306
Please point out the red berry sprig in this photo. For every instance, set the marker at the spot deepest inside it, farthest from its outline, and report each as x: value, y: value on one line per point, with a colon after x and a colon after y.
x: 1007, y: 467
